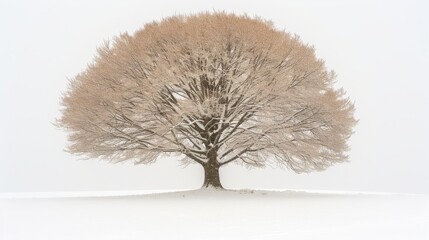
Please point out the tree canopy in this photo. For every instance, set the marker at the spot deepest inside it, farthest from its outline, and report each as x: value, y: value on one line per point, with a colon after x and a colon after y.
x: 212, y: 89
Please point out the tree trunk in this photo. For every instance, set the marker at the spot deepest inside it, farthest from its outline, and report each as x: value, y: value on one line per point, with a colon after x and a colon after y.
x: 211, y: 176
x: 211, y: 172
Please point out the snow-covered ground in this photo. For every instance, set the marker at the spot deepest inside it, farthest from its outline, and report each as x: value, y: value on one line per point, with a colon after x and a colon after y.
x: 208, y: 214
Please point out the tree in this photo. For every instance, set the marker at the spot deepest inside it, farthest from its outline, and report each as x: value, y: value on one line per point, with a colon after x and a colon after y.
x: 213, y: 89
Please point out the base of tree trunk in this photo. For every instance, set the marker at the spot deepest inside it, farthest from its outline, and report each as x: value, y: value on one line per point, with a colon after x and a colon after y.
x: 211, y: 177
x: 205, y: 185
x: 212, y: 187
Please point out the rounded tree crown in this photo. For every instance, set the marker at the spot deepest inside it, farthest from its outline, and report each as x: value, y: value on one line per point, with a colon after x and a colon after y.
x: 208, y: 85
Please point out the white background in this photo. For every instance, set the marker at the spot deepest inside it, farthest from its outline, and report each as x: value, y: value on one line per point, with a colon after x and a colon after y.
x: 378, y: 49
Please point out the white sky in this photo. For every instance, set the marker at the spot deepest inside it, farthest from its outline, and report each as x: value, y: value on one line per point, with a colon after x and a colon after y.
x: 378, y: 49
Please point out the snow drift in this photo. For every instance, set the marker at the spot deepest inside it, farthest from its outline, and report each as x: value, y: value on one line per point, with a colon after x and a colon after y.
x: 209, y: 214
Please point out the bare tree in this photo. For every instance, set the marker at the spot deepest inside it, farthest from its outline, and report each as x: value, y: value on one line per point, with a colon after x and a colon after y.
x: 213, y: 89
